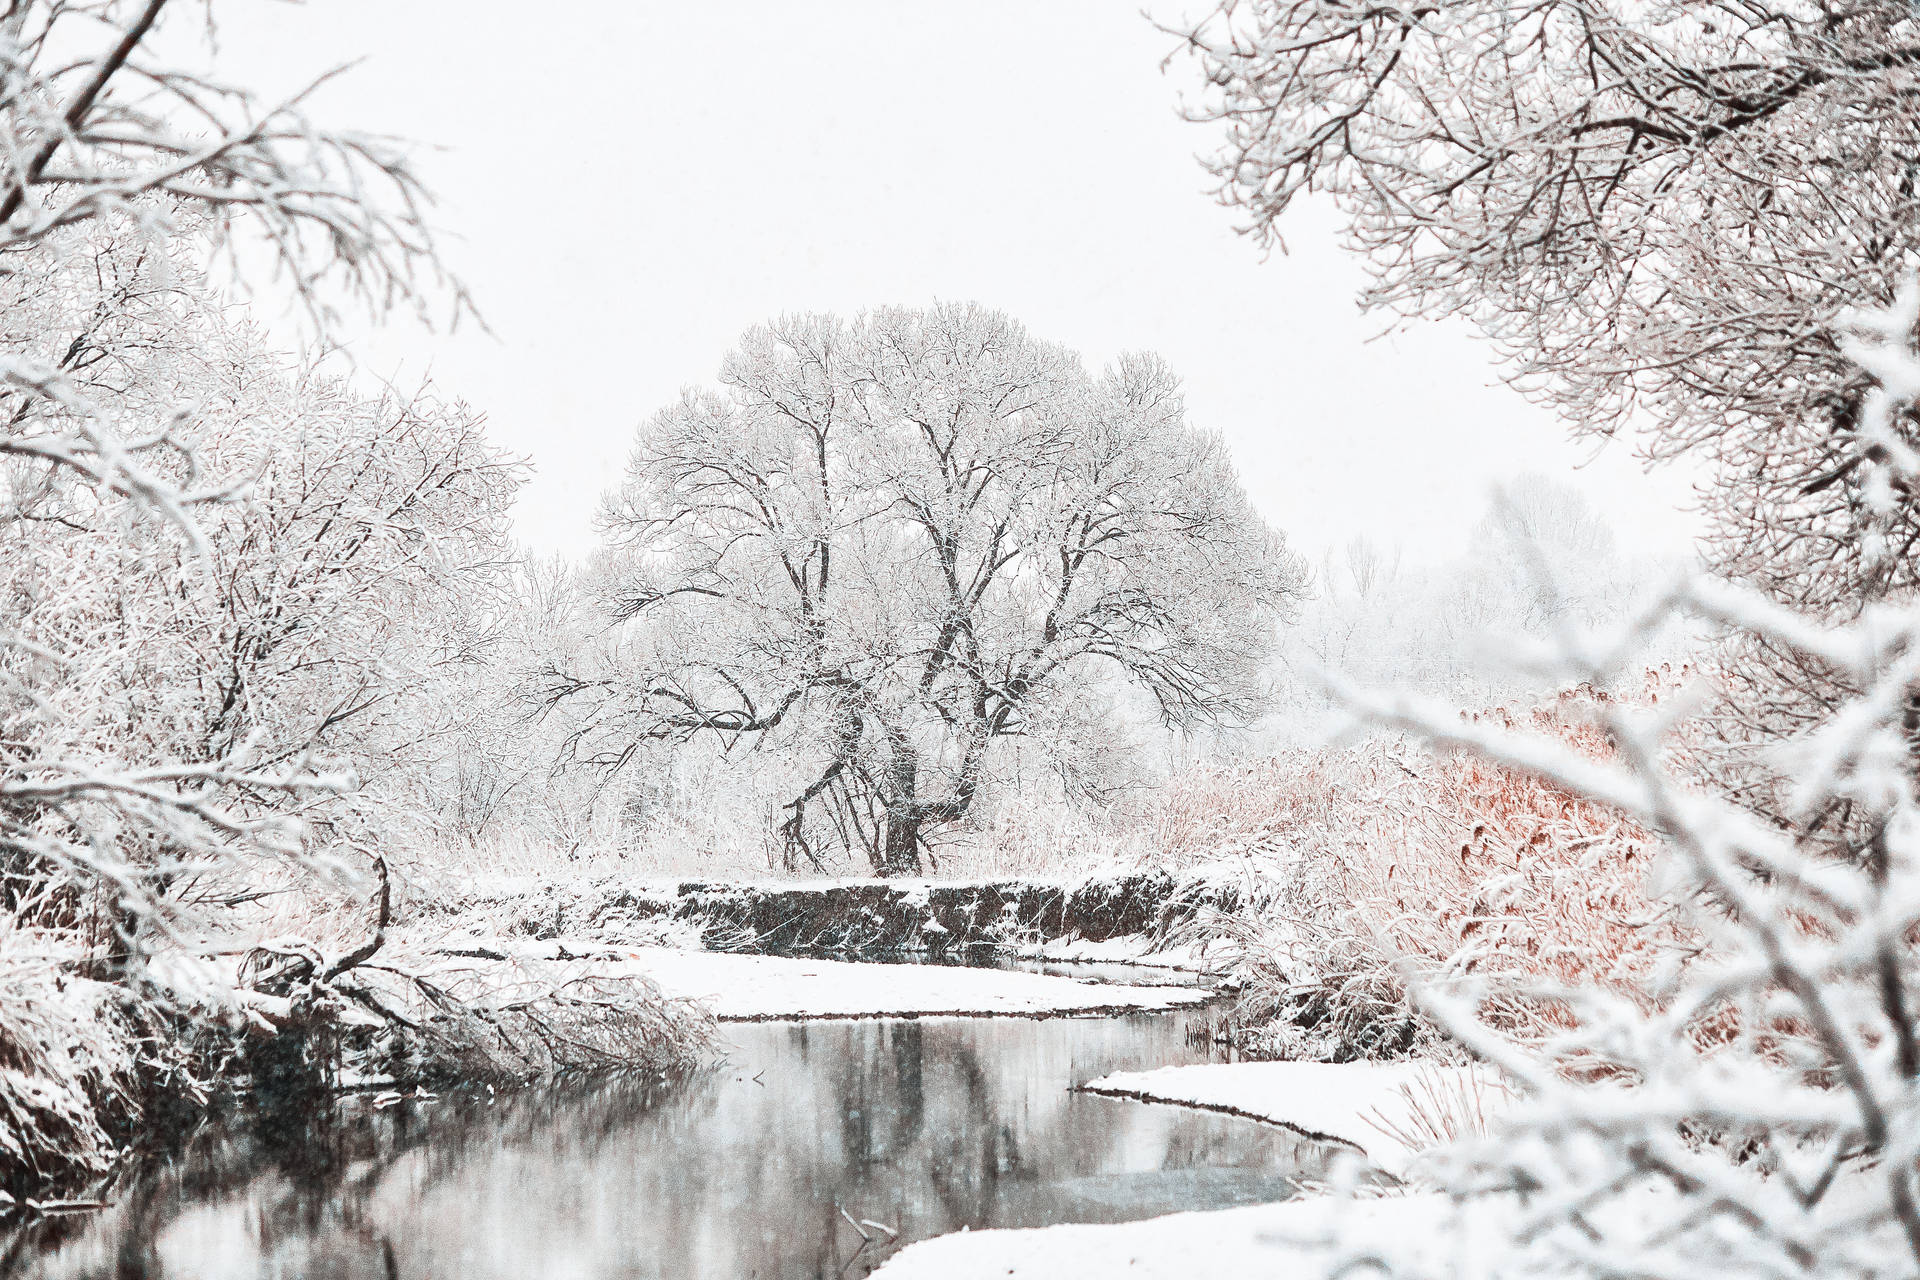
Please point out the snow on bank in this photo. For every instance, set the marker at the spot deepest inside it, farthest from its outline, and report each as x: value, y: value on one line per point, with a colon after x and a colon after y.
x: 864, y: 918
x: 1385, y: 1109
x: 1291, y: 1239
x: 1132, y: 949
x: 752, y: 988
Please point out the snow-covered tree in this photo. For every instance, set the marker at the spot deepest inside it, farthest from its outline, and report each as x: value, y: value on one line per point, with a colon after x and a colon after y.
x: 1748, y: 1106
x: 97, y: 126
x: 302, y: 626
x: 884, y: 545
x: 1656, y: 212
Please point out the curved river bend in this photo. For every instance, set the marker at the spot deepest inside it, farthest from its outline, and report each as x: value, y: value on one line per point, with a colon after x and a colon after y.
x: 761, y: 1168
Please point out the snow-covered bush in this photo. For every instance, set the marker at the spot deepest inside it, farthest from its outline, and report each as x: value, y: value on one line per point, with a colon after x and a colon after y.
x: 1751, y: 1107
x: 68, y: 1073
x: 1394, y: 863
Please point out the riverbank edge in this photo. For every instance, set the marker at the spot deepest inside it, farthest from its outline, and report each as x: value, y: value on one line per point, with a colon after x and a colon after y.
x: 221, y: 1048
x: 863, y: 919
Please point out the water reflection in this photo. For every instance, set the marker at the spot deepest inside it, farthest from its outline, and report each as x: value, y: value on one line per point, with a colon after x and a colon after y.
x: 761, y: 1168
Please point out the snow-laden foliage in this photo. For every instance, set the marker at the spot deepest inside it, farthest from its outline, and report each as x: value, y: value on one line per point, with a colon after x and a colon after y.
x: 1392, y: 865
x: 886, y: 546
x: 125, y: 779
x: 1658, y: 212
x: 1751, y: 1108
x: 256, y: 669
x: 117, y: 110
x: 119, y: 171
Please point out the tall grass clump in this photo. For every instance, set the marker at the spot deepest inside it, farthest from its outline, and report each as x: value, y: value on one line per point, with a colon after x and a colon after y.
x: 1389, y: 864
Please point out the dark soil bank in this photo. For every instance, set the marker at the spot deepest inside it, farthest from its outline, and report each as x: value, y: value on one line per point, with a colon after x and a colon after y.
x: 874, y: 918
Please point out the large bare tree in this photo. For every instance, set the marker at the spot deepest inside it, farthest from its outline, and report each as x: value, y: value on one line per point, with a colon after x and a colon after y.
x: 883, y: 545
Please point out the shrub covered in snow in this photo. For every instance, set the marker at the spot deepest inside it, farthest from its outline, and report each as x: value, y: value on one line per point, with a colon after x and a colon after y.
x: 1752, y: 1106
x: 1391, y: 862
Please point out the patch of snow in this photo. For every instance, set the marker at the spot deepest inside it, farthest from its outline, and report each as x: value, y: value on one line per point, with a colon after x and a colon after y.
x: 1129, y: 949
x: 1296, y: 1239
x: 746, y: 987
x: 1384, y: 1109
x: 750, y: 988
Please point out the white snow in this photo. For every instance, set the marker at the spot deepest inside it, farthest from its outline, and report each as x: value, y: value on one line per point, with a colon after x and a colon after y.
x: 745, y: 988
x: 1289, y: 1239
x: 1374, y: 1106
x: 1314, y: 1237
x: 1129, y: 949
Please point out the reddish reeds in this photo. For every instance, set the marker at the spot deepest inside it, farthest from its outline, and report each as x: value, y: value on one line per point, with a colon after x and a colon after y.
x: 1399, y: 863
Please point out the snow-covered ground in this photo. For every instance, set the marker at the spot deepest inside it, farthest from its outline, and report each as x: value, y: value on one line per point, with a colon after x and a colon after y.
x: 743, y: 988
x: 1131, y: 949
x: 1382, y: 1108
x: 1291, y: 1239
x: 1313, y: 1237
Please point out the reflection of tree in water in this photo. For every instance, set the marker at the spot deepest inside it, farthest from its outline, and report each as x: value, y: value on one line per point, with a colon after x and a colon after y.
x: 925, y: 1126
x: 883, y: 1102
x: 301, y: 1169
x: 974, y: 1146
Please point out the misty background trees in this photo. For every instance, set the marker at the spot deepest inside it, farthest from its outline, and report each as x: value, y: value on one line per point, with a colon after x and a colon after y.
x: 260, y: 607
x: 1540, y: 563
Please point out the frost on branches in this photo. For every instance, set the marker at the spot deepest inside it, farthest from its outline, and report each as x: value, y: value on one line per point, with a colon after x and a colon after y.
x: 1751, y: 1108
x: 1658, y: 212
x: 889, y: 546
x: 237, y: 592
x: 118, y: 174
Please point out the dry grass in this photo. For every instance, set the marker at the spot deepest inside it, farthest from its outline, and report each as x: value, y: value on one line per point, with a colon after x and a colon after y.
x: 1403, y: 865
x: 81, y: 1061
x: 1437, y: 1109
x: 65, y: 1068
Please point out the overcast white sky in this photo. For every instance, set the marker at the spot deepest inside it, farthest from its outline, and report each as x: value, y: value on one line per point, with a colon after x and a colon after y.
x: 632, y: 185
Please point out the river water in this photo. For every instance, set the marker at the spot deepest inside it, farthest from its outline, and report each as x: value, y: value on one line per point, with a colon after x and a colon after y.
x: 759, y: 1168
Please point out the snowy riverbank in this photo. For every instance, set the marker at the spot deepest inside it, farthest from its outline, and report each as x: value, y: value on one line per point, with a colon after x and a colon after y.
x: 1126, y: 912
x: 751, y: 988
x: 1295, y: 1238
x: 1387, y: 1113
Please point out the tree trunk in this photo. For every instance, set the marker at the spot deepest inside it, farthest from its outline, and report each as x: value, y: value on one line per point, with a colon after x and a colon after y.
x: 900, y: 846
x: 900, y: 842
